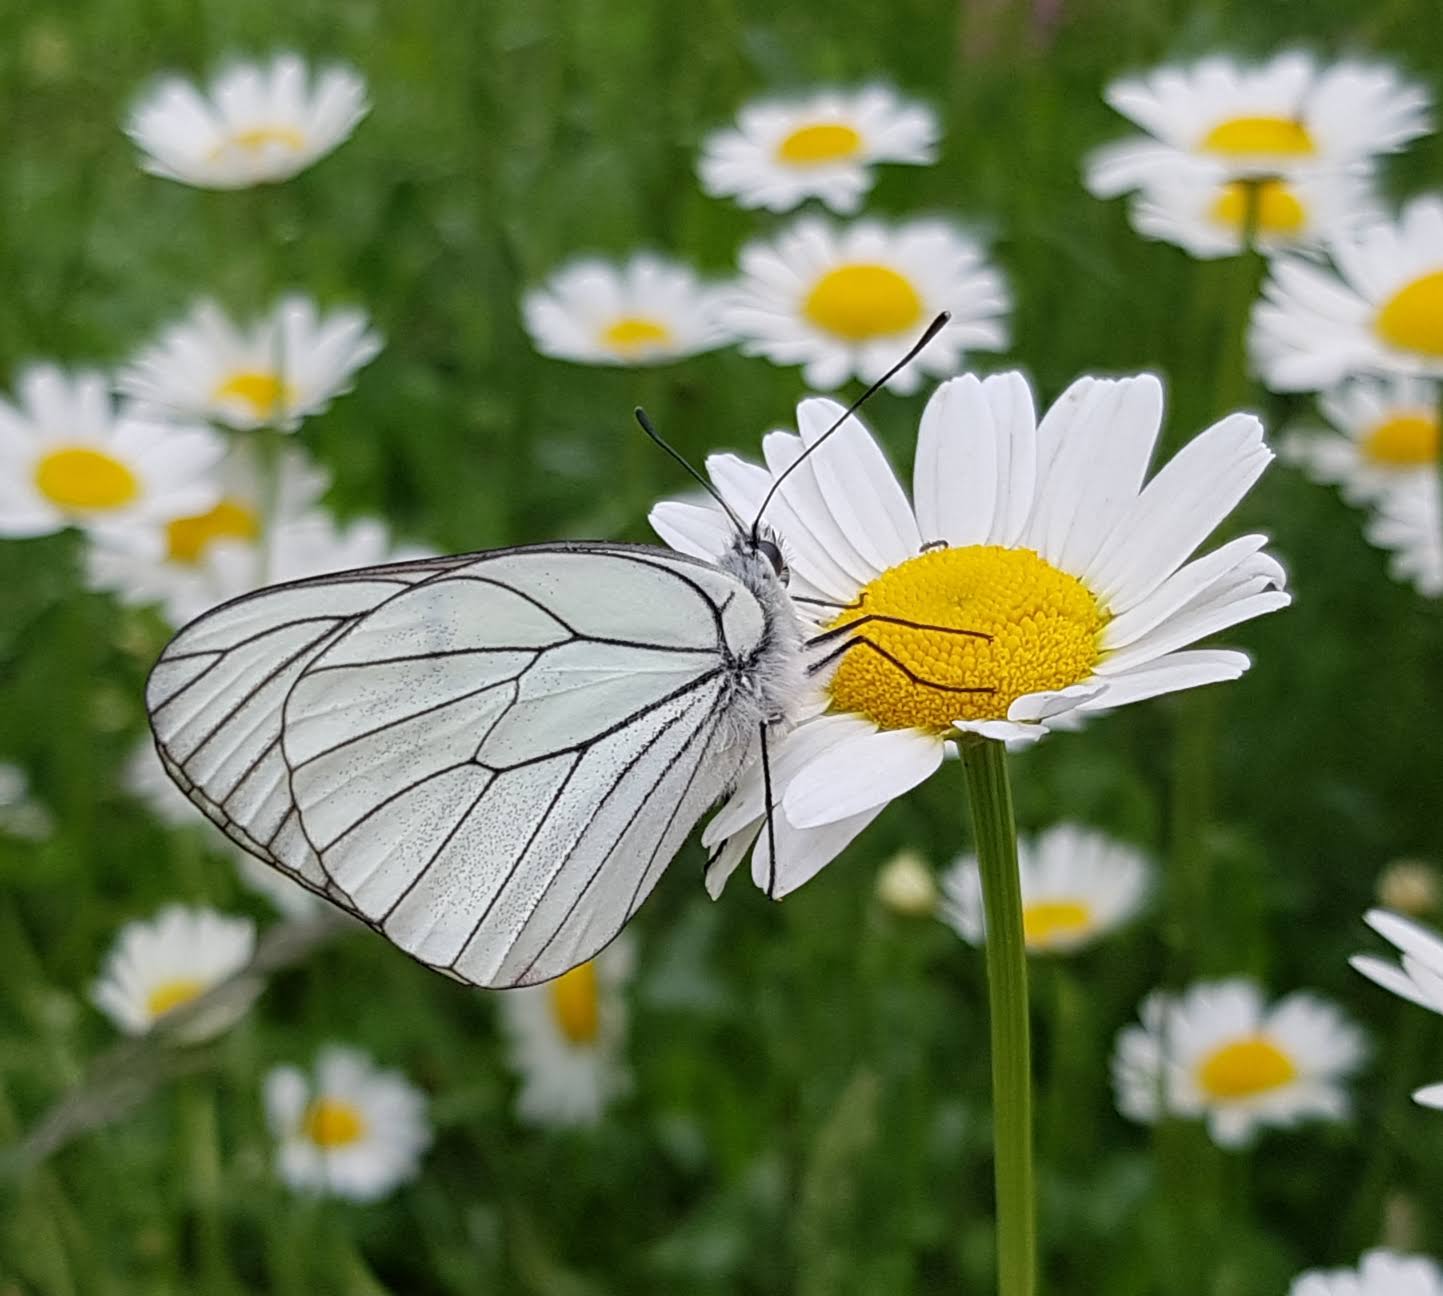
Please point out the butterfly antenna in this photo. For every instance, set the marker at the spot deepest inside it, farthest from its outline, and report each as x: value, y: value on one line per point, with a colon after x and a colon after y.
x: 646, y: 426
x: 934, y: 328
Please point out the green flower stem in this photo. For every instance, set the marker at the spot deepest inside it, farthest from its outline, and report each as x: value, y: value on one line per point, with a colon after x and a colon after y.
x: 990, y: 796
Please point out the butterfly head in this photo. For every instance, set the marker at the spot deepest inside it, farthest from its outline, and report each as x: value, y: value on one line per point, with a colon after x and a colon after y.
x: 765, y: 543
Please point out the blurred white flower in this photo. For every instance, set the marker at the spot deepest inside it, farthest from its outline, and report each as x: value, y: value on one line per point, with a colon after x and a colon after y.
x: 20, y: 814
x: 847, y: 301
x: 272, y: 372
x: 905, y: 885
x: 644, y: 311
x: 1379, y: 309
x: 1077, y: 886
x: 349, y: 1129
x: 161, y: 964
x: 257, y: 123
x: 781, y: 152
x: 1411, y: 886
x: 1418, y: 978
x: 1280, y: 118
x: 1219, y: 1052
x: 567, y: 1040
x: 69, y: 457
x: 1408, y: 521
x: 1380, y: 1273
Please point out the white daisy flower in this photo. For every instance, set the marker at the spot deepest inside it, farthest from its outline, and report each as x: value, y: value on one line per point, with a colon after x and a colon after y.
x: 161, y: 964
x: 68, y: 457
x: 20, y: 814
x: 1408, y: 521
x: 1043, y: 539
x: 1380, y: 310
x: 1077, y: 886
x: 1288, y: 115
x: 257, y: 124
x: 644, y: 311
x: 567, y: 1040
x: 1381, y: 1273
x: 349, y: 1129
x: 846, y: 301
x: 1418, y: 978
x: 273, y: 372
x: 905, y: 885
x: 1218, y: 1052
x: 783, y: 151
x: 1206, y: 215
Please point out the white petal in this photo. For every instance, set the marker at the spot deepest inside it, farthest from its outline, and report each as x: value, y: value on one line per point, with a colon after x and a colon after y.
x: 860, y: 774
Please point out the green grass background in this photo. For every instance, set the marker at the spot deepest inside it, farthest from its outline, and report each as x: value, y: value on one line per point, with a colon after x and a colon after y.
x: 811, y: 1109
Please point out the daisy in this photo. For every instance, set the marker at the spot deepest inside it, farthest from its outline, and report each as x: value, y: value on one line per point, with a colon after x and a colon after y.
x: 1041, y: 537
x: 1408, y: 521
x: 567, y: 1040
x: 272, y: 372
x: 257, y: 124
x: 644, y: 311
x: 784, y: 151
x: 20, y: 815
x: 68, y: 457
x: 906, y: 887
x: 1381, y: 1273
x: 1217, y: 1051
x: 1077, y: 885
x: 1387, y: 432
x: 349, y: 1129
x: 1418, y: 978
x: 845, y: 301
x: 1379, y: 310
x: 1288, y: 115
x: 159, y: 965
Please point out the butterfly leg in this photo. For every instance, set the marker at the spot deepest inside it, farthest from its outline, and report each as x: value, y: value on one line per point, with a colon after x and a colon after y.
x: 861, y: 641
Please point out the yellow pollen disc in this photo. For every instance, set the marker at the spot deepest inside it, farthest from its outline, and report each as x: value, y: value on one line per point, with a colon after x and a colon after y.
x: 1049, y: 921
x: 1412, y: 319
x: 264, y: 392
x: 633, y: 332
x: 576, y: 1004
x: 1404, y: 441
x: 1044, y: 625
x: 171, y: 994
x: 260, y: 137
x: 1242, y: 137
x: 857, y: 302
x: 333, y: 1123
x: 1278, y: 209
x: 81, y: 478
x: 188, y: 538
x: 1245, y: 1068
x: 824, y: 142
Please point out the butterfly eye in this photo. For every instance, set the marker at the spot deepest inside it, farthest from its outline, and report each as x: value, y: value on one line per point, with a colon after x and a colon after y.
x: 771, y: 551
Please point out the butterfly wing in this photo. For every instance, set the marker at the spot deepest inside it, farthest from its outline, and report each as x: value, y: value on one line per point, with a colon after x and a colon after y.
x: 495, y: 765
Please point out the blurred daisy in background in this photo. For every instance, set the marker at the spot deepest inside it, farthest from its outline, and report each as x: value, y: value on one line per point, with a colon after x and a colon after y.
x: 905, y: 885
x: 781, y: 152
x: 348, y: 1129
x: 1077, y: 886
x: 257, y: 123
x: 1408, y: 522
x: 1411, y: 886
x: 20, y: 814
x: 1379, y: 309
x: 69, y: 457
x: 1284, y: 116
x: 846, y: 301
x: 1034, y: 575
x: 567, y: 1040
x: 1418, y: 977
x: 1380, y: 1273
x: 163, y: 963
x: 272, y: 372
x: 1217, y: 1051
x: 644, y: 311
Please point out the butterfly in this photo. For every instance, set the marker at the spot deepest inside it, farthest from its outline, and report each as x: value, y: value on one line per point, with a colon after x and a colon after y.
x: 490, y: 758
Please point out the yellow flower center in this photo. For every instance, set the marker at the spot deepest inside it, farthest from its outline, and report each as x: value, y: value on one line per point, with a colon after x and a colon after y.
x: 1403, y: 441
x: 633, y: 332
x: 1044, y: 625
x: 857, y: 302
x: 78, y: 477
x: 333, y: 1123
x: 1245, y: 1068
x: 261, y: 137
x: 1241, y: 137
x: 263, y: 391
x: 1412, y: 319
x: 1048, y: 922
x: 171, y: 994
x: 824, y: 142
x: 1278, y: 209
x: 188, y: 538
x: 576, y: 1004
